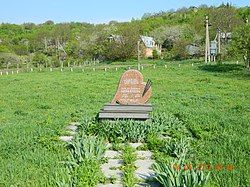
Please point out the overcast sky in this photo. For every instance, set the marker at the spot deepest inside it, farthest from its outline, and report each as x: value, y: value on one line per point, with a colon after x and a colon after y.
x: 93, y: 11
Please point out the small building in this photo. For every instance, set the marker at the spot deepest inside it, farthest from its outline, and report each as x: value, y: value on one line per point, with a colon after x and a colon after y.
x: 213, y: 48
x: 150, y: 45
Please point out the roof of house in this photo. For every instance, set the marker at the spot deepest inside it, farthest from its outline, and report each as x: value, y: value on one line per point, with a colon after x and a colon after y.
x: 148, y: 41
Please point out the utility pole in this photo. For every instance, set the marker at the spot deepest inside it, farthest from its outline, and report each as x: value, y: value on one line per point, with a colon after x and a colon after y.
x: 219, y: 40
x: 207, y: 48
x: 138, y: 54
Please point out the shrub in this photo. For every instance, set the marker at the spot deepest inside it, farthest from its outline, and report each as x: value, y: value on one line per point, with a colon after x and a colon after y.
x: 84, y: 161
x: 171, y: 176
x: 155, y: 54
x: 87, y: 147
x: 177, y: 148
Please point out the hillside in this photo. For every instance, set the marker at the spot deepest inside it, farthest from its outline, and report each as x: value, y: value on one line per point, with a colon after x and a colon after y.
x: 63, y: 44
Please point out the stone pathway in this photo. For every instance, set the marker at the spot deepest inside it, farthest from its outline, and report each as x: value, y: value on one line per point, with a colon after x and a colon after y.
x: 111, y: 169
x: 143, y: 164
x: 71, y: 130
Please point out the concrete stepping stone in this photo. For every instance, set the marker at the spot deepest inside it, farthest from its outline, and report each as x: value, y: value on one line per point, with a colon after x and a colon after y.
x: 111, y: 169
x: 72, y: 128
x: 144, y: 154
x: 111, y: 173
x: 75, y: 123
x: 112, y: 154
x: 66, y: 138
x: 114, y: 163
x: 110, y: 185
x: 144, y: 170
x: 135, y: 145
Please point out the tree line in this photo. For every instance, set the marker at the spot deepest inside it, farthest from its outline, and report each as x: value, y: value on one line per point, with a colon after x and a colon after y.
x: 69, y: 44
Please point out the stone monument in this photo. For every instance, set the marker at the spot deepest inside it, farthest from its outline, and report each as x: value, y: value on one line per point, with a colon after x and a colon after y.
x: 130, y: 100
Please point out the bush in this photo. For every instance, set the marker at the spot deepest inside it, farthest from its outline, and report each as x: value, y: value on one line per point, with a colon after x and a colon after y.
x: 155, y: 54
x: 84, y: 161
x: 174, y: 175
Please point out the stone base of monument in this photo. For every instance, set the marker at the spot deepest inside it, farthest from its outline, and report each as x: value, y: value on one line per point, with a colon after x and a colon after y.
x: 131, y: 111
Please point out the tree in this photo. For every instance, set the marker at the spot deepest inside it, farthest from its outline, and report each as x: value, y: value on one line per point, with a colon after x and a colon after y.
x: 9, y: 60
x: 40, y: 59
x: 229, y: 21
x: 241, y: 43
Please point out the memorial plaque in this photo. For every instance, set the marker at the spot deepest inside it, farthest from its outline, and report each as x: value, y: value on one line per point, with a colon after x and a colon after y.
x: 132, y: 89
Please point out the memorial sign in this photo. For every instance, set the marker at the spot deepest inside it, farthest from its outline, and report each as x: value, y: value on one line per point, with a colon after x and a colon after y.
x: 132, y: 89
x: 130, y: 100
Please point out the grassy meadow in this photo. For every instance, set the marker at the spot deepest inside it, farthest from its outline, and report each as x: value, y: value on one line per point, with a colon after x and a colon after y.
x: 212, y: 101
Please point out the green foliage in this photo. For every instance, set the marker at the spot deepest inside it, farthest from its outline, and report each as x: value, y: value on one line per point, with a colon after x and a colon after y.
x: 178, y: 172
x: 8, y: 60
x: 130, y: 130
x: 129, y: 156
x: 210, y: 104
x: 170, y: 176
x: 84, y: 161
x: 177, y: 148
x: 128, y: 168
x: 39, y: 59
x: 241, y: 43
x: 86, y: 147
x: 172, y: 29
x: 155, y: 54
x: 89, y: 173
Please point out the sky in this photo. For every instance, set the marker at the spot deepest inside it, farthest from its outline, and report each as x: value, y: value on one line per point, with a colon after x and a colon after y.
x: 92, y: 11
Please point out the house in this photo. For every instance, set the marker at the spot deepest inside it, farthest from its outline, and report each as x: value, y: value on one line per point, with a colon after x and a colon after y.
x: 149, y: 46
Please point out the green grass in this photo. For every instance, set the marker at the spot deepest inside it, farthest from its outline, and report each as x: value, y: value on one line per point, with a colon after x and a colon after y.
x: 212, y: 101
x: 128, y: 168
